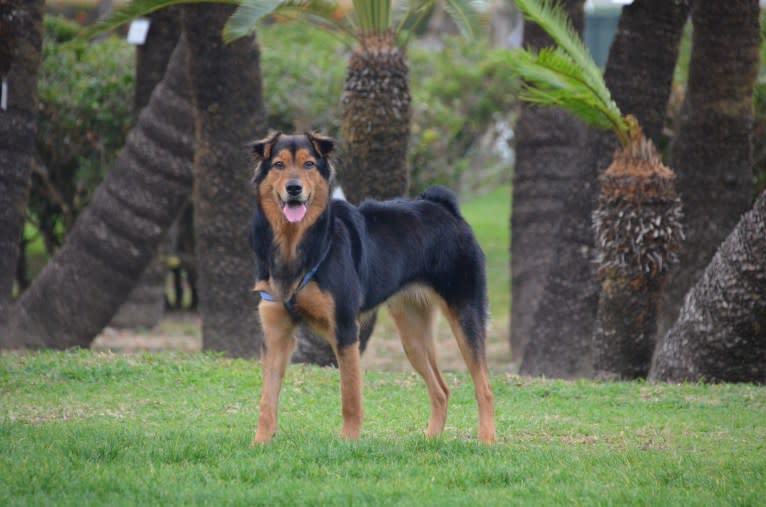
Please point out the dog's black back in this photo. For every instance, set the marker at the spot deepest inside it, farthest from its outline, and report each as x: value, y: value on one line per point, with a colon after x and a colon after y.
x: 380, y: 248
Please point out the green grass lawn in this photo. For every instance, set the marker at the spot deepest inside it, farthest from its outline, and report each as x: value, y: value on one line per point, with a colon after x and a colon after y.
x: 83, y: 428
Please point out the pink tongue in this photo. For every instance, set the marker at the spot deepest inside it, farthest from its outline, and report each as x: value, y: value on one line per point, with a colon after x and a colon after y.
x: 294, y: 213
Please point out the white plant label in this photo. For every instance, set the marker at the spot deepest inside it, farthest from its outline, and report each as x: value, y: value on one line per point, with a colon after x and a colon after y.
x: 138, y: 30
x: 4, y: 95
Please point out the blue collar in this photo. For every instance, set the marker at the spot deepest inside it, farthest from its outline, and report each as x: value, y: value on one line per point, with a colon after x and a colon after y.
x: 290, y: 303
x: 306, y: 279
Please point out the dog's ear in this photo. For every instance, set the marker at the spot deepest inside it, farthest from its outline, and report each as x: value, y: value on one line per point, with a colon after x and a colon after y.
x: 261, y: 150
x: 324, y: 146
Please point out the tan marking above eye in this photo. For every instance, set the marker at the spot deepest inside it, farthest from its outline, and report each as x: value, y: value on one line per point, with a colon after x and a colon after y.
x: 304, y: 159
x: 282, y: 159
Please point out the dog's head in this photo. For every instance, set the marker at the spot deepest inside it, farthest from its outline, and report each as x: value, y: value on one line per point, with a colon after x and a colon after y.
x: 294, y: 175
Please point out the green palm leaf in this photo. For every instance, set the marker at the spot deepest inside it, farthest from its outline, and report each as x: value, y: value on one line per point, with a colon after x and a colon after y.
x: 249, y: 12
x: 465, y: 16
x: 372, y: 16
x: 566, y: 77
x: 137, y: 9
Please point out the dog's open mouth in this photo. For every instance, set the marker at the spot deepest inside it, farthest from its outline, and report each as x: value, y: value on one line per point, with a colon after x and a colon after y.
x: 294, y: 210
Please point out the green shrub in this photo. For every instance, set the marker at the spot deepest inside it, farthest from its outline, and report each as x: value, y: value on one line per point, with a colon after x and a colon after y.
x: 86, y: 95
x: 460, y: 96
x: 303, y: 69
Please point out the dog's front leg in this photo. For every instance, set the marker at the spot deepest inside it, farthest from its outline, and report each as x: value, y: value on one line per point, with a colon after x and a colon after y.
x: 347, y: 352
x: 279, y: 342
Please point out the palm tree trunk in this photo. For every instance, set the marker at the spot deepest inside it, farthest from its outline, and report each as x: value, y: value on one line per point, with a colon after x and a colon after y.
x: 638, y: 231
x: 20, y: 55
x: 152, y: 56
x: 145, y: 305
x: 548, y: 143
x: 376, y: 121
x: 638, y: 73
x: 226, y: 85
x: 720, y: 334
x: 116, y: 236
x: 712, y: 154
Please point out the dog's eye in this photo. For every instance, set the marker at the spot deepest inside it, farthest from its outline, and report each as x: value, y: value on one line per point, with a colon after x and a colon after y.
x: 308, y: 164
x: 278, y: 165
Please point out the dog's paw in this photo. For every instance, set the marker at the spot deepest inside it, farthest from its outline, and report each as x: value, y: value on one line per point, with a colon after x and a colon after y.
x: 261, y: 438
x: 487, y: 437
x: 350, y: 434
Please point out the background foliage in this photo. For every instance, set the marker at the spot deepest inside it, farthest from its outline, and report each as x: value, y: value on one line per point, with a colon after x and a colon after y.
x: 85, y: 111
x: 461, y: 95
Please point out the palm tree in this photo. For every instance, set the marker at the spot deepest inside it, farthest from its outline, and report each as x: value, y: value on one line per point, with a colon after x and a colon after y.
x: 637, y: 220
x: 153, y: 55
x: 21, y: 26
x: 229, y: 112
x: 712, y: 153
x: 548, y: 144
x: 116, y: 236
x: 376, y: 111
x: 145, y: 306
x: 720, y: 334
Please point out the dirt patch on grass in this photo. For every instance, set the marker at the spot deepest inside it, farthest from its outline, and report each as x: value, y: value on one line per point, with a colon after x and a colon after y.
x: 181, y: 332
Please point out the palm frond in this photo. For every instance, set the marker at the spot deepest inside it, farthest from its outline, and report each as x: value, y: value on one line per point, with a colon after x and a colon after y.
x: 242, y: 22
x: 410, y: 16
x: 464, y: 13
x: 553, y: 19
x: 465, y: 16
x: 372, y: 16
x: 553, y: 79
x: 137, y: 9
x: 566, y: 77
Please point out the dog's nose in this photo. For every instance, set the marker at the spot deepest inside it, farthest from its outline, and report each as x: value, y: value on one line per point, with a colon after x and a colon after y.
x: 294, y: 188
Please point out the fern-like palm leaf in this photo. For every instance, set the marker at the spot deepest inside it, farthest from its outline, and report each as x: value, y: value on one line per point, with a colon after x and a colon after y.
x: 372, y: 16
x: 243, y: 21
x: 567, y: 76
x: 136, y: 9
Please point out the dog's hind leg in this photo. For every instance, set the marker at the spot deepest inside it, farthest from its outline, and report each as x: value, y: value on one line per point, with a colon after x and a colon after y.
x: 279, y: 341
x: 415, y: 322
x: 469, y: 331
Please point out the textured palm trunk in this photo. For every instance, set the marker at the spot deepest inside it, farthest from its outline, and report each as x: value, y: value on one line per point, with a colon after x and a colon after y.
x: 720, y: 334
x: 145, y: 305
x: 20, y: 54
x: 712, y: 154
x: 376, y: 121
x: 638, y: 73
x: 376, y: 126
x: 226, y: 85
x: 548, y: 144
x: 152, y: 56
x: 116, y: 236
x: 638, y: 234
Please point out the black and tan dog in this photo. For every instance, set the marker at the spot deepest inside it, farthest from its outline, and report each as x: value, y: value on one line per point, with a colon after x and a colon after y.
x: 324, y: 263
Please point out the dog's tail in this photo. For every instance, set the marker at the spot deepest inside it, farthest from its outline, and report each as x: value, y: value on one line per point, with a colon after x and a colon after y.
x: 443, y: 196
